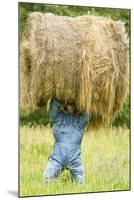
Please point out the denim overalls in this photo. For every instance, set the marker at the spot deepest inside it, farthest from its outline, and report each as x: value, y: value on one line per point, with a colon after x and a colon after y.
x: 68, y: 130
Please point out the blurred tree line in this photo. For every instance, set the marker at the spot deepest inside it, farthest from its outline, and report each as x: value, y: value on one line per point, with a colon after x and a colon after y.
x: 40, y: 116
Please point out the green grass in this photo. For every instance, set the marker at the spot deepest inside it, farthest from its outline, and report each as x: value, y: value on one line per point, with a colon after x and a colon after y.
x: 105, y: 156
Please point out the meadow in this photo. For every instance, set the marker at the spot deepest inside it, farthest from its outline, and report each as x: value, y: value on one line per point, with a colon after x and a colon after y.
x: 105, y: 155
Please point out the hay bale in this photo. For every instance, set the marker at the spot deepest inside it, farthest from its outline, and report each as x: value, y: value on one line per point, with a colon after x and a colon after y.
x: 82, y: 61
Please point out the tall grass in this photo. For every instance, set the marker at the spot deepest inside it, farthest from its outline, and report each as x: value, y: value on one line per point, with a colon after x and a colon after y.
x: 105, y: 156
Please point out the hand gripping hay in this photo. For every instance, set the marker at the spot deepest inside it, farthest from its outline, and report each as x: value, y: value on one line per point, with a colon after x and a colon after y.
x: 82, y: 61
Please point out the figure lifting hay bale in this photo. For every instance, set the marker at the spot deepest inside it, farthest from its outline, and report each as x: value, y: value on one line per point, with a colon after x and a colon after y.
x: 83, y: 61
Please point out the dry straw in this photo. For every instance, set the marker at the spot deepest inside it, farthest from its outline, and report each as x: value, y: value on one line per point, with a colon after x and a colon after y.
x: 82, y: 61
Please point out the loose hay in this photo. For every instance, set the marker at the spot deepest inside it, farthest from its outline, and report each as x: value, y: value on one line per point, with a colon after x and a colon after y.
x: 82, y: 61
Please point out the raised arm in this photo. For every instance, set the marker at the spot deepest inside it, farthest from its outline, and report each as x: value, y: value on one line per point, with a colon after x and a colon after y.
x: 53, y: 109
x: 84, y: 118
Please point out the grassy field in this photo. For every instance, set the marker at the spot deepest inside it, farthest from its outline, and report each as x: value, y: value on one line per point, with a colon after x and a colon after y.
x: 105, y: 156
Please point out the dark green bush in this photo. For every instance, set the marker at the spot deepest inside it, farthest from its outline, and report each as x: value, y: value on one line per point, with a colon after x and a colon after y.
x: 38, y: 117
x: 123, y: 118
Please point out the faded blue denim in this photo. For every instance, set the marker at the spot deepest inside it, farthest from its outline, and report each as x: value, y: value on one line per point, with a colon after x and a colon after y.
x: 68, y: 130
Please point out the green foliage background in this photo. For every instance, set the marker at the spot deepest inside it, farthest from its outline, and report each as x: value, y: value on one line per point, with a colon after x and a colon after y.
x: 40, y: 116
